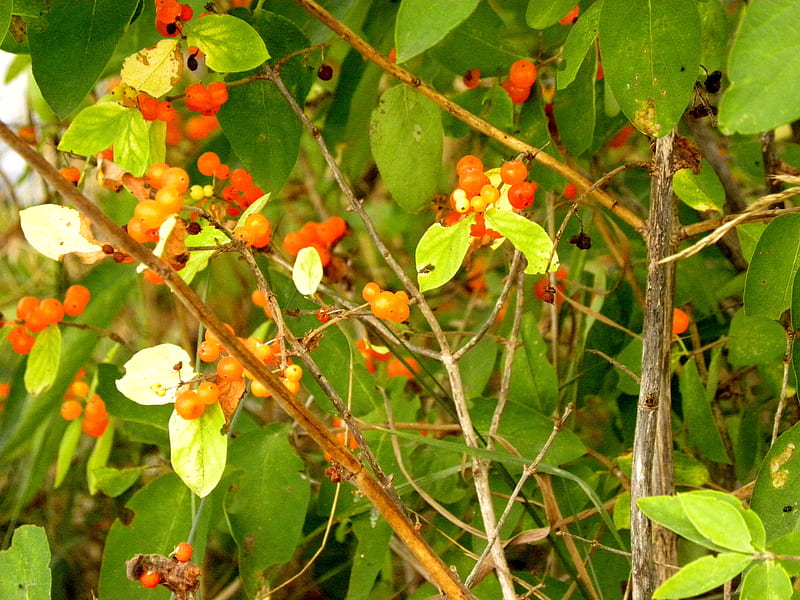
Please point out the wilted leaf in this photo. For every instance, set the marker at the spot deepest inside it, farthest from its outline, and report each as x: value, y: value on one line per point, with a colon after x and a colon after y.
x: 230, y: 394
x: 57, y: 230
x: 151, y: 377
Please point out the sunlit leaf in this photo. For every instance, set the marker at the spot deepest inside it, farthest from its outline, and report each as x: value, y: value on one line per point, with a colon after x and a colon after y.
x: 440, y: 253
x: 43, y: 361
x: 151, y: 376
x: 198, y: 449
x: 307, y: 271
x: 230, y: 44
x: 528, y: 237
x: 154, y: 70
x: 55, y: 230
x: 703, y: 575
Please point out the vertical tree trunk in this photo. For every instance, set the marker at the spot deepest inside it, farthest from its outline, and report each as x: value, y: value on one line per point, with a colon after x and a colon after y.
x: 654, y: 548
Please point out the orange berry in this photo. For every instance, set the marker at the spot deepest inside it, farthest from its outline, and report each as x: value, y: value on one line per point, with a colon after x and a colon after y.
x: 522, y: 73
x: 208, y: 351
x: 570, y: 191
x: 517, y: 94
x: 383, y: 305
x: 21, y: 341
x: 94, y: 427
x: 155, y: 174
x: 293, y: 373
x: 170, y: 199
x: 222, y: 172
x: 332, y: 230
x: 680, y: 321
x: 151, y: 276
x: 71, y: 410
x: 258, y: 298
x: 78, y: 389
x: 468, y: 162
x: 5, y: 390
x: 150, y: 213
x: 208, y: 392
x: 229, y: 369
x: 27, y: 133
x: 292, y: 386
x: 370, y: 291
x: 259, y: 390
x: 218, y: 92
x: 176, y: 178
x: 571, y: 16
x: 188, y: 405
x: 96, y: 408
x: 472, y: 78
x: 26, y: 305
x: 513, y: 171
x: 36, y: 320
x: 183, y: 552
x: 200, y: 127
x: 150, y: 579
x: 490, y: 194
x: 207, y: 163
x: 70, y: 174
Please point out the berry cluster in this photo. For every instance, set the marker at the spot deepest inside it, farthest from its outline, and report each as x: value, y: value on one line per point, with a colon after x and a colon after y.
x: 95, y: 415
x: 190, y: 404
x: 206, y: 100
x: 255, y: 231
x: 386, y: 305
x: 322, y: 236
x: 34, y: 315
x: 229, y: 369
x: 521, y: 77
x: 170, y: 184
x: 241, y: 192
x: 151, y: 109
x: 170, y: 15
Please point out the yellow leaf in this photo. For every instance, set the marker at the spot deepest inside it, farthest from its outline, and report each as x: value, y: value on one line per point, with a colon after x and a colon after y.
x: 154, y: 70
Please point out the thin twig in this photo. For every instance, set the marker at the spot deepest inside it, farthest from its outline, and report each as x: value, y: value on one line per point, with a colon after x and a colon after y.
x: 787, y: 365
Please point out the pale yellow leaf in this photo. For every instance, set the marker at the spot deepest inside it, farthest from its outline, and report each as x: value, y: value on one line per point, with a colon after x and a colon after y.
x: 154, y: 70
x: 56, y: 230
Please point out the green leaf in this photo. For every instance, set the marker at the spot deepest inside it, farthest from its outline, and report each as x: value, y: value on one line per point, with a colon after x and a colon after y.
x: 25, y: 566
x: 697, y: 415
x: 770, y: 277
x: 580, y: 41
x: 528, y: 237
x: 669, y: 512
x: 198, y: 259
x: 154, y: 70
x: 788, y: 545
x: 764, y: 75
x: 702, y: 191
x: 543, y: 395
x: 406, y: 137
x: 162, y: 517
x: 114, y: 482
x: 651, y: 56
x: 99, y: 456
x: 776, y: 494
x: 43, y: 361
x: 66, y: 450
x: 70, y: 46
x: 423, y: 23
x: 266, y: 508
x: 702, y: 575
x: 198, y: 449
x: 718, y: 521
x: 767, y: 580
x: 543, y: 14
x: 230, y: 44
x: 261, y: 127
x: 477, y: 366
x: 97, y: 127
x: 574, y: 109
x: 754, y: 340
x: 373, y: 534
x: 440, y: 252
x: 307, y: 271
x: 6, y: 9
x: 749, y: 234
x: 481, y: 42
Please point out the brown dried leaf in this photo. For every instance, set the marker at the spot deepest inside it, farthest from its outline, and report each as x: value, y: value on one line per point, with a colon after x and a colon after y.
x: 175, y: 252
x: 113, y: 177
x: 230, y: 393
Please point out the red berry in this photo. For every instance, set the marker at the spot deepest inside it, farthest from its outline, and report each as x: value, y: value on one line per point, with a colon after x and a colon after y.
x: 571, y: 16
x: 517, y: 94
x: 150, y: 579
x: 71, y: 410
x: 322, y: 315
x: 26, y: 305
x: 570, y: 191
x: 468, y: 162
x: 183, y: 552
x: 472, y: 78
x: 70, y: 174
x: 51, y: 310
x: 520, y: 196
x: 680, y: 321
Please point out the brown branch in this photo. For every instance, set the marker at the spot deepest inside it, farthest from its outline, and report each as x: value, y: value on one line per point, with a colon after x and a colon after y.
x: 362, y: 478
x: 651, y: 473
x: 476, y: 123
